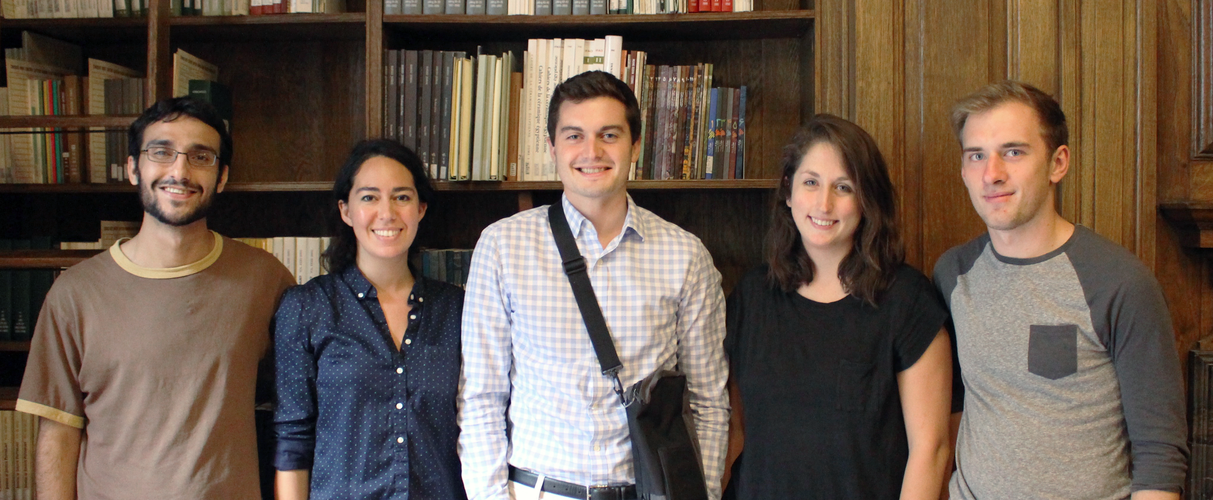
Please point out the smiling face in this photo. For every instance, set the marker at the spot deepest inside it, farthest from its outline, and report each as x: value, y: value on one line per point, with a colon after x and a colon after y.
x: 824, y: 203
x: 177, y: 193
x: 593, y: 150
x: 1008, y: 168
x: 383, y: 209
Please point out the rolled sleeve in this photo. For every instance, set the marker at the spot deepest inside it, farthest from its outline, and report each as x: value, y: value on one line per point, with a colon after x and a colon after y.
x: 51, y: 385
x: 295, y: 382
x: 701, y: 332
x: 485, y: 378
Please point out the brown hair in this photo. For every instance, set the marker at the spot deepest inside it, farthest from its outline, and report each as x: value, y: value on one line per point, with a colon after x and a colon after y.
x: 587, y: 86
x: 1052, y: 119
x: 876, y: 248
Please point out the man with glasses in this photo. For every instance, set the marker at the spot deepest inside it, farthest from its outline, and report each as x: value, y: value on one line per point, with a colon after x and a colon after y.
x: 144, y: 358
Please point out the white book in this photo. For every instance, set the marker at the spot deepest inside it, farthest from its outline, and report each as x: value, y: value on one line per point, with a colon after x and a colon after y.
x: 9, y: 9
x: 105, y: 8
x: 311, y: 259
x: 187, y: 67
x: 527, y: 136
x: 43, y: 49
x: 6, y: 454
x: 483, y: 73
x: 465, y: 119
x: 98, y: 72
x: 6, y: 164
x: 595, y: 50
x: 288, y: 256
x: 495, y: 149
x: 569, y: 63
x: 277, y: 248
x: 613, y: 56
x: 539, y: 126
x: 20, y: 73
x: 579, y: 56
x: 549, y: 81
x: 453, y: 148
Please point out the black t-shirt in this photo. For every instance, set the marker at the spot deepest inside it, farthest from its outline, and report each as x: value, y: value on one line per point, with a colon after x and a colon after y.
x: 819, y: 389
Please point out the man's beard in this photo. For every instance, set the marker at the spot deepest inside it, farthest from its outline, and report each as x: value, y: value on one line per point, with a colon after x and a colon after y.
x: 147, y: 196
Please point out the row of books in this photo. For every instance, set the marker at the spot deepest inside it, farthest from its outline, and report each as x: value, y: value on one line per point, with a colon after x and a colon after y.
x: 300, y: 255
x: 18, y: 439
x: 47, y: 9
x: 449, y: 265
x: 22, y: 292
x: 562, y: 7
x: 43, y: 80
x: 476, y: 118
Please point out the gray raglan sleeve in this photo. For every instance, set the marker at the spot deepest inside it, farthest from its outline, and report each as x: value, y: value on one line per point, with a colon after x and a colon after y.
x: 947, y: 270
x: 1130, y: 314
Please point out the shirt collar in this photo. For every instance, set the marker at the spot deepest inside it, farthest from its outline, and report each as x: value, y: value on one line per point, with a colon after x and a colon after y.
x: 363, y: 289
x: 632, y: 223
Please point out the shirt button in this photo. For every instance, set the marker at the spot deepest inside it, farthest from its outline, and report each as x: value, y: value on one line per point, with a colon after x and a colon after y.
x: 408, y: 341
x: 420, y: 299
x: 399, y: 440
x: 360, y: 294
x: 399, y: 406
x: 412, y: 316
x: 400, y: 370
x: 597, y: 448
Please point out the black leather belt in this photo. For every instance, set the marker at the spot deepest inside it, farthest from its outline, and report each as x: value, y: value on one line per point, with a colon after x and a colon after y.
x: 571, y: 490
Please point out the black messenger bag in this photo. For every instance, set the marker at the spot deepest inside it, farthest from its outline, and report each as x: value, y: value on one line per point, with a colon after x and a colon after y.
x: 665, y: 450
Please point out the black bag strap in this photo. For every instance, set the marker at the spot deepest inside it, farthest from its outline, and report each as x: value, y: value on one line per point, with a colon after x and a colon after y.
x: 583, y: 291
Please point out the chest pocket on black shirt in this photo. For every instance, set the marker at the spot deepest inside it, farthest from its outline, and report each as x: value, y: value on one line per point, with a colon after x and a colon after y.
x: 1053, y: 350
x: 855, y: 385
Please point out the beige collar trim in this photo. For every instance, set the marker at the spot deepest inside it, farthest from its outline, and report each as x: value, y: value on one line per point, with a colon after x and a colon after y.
x: 166, y: 272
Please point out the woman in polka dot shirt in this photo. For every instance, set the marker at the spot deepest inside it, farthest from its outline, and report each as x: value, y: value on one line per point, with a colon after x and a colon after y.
x: 367, y: 356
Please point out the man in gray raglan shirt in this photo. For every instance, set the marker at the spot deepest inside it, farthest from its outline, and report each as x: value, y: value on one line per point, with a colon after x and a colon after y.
x: 1072, y: 387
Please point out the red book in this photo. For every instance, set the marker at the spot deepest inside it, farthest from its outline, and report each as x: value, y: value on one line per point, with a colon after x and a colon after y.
x: 692, y: 6
x: 726, y: 5
x: 715, y: 6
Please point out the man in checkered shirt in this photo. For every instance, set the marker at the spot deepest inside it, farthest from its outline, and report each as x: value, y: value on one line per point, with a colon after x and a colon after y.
x: 538, y: 418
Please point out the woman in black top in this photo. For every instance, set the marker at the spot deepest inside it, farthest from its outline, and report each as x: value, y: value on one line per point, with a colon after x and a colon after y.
x: 368, y: 355
x: 840, y: 369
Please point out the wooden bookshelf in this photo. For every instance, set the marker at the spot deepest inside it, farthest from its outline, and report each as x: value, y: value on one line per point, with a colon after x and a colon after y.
x: 43, y: 259
x: 113, y: 122
x: 766, y: 24
x: 13, y: 346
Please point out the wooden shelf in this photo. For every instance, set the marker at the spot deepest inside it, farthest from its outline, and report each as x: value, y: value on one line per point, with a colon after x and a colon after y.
x: 346, y: 26
x: 8, y: 397
x: 14, y: 346
x: 1193, y: 219
x: 43, y: 259
x: 305, y: 187
x: 67, y: 122
x: 700, y: 26
x: 79, y: 30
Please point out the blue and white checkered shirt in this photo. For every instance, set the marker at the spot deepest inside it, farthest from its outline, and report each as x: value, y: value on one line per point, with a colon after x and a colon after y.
x: 527, y: 355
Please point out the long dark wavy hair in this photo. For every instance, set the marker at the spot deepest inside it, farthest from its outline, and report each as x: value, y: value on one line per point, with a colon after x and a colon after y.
x: 343, y: 248
x: 876, y: 248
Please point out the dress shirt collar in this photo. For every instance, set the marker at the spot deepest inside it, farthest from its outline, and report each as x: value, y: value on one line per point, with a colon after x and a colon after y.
x: 631, y: 223
x: 365, y: 290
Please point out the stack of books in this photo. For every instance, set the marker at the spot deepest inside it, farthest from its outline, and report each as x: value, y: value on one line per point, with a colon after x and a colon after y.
x: 449, y: 265
x: 18, y: 437
x: 22, y: 292
x: 255, y: 7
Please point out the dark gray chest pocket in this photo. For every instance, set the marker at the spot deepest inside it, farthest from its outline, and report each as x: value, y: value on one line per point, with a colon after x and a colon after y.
x: 1053, y: 350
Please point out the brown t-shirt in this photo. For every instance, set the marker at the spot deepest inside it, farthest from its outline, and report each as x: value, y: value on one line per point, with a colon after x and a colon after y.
x: 158, y: 367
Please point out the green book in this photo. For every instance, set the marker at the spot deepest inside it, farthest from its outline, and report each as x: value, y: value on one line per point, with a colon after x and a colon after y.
x: 218, y: 94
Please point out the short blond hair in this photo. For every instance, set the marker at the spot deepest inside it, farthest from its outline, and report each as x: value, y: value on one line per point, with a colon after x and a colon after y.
x: 1052, y: 120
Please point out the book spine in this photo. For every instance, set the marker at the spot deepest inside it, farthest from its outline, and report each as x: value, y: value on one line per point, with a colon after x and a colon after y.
x: 411, y: 7
x: 391, y: 67
x: 741, y: 134
x: 6, y: 303
x: 408, y: 106
x: 450, y: 59
x: 735, y: 101
x: 497, y: 8
x: 454, y: 6
x: 433, y: 6
x: 562, y: 7
x: 711, y: 136
x: 22, y: 324
x: 511, y: 152
x: 436, y: 112
x: 543, y: 7
x: 391, y: 7
x: 726, y: 5
x: 581, y: 7
x: 425, y: 83
x: 476, y: 7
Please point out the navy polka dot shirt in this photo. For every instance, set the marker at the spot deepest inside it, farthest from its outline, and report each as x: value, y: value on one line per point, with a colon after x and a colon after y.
x: 368, y: 420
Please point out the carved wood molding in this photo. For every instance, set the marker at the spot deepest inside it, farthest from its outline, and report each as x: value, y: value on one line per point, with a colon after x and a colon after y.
x: 1202, y: 79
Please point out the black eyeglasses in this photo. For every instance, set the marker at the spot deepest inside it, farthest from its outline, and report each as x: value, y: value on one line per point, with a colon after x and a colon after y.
x: 197, y: 158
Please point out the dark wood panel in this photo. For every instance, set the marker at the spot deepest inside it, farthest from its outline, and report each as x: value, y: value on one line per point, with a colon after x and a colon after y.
x: 1202, y: 41
x: 298, y: 106
x: 1175, y: 94
x: 955, y: 61
x: 118, y: 122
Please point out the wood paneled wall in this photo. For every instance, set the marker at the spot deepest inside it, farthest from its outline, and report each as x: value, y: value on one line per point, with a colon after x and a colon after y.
x: 1123, y: 71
